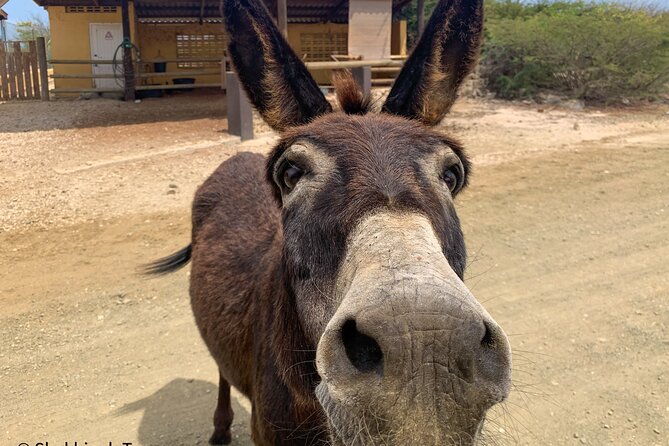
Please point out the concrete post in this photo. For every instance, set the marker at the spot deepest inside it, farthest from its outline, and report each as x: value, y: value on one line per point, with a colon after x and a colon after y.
x: 240, y: 112
x: 363, y: 77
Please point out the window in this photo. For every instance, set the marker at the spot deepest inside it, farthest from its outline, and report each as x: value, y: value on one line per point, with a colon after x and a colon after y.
x: 90, y: 9
x: 199, y: 46
x: 320, y: 46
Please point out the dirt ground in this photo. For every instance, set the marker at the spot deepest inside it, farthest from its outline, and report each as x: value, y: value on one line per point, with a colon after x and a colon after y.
x: 566, y: 220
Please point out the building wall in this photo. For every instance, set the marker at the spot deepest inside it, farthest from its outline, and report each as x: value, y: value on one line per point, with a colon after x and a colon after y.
x: 297, y: 30
x: 370, y: 28
x: 160, y: 41
x: 70, y: 40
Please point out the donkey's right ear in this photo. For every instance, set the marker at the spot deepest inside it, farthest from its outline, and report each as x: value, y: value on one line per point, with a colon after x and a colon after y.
x: 275, y: 79
x: 446, y: 53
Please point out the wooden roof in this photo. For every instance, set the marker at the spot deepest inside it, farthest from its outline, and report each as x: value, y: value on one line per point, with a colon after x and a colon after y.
x: 299, y: 11
x: 3, y: 14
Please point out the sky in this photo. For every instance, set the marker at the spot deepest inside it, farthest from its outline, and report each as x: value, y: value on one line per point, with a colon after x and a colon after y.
x: 19, y: 10
x: 25, y: 9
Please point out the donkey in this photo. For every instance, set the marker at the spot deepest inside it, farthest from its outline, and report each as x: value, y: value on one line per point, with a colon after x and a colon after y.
x: 327, y: 278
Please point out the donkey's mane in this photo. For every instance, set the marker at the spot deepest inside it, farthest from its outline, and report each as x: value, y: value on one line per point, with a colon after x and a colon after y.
x: 350, y: 97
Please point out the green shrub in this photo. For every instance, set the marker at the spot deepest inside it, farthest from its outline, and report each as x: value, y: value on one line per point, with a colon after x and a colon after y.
x: 595, y: 52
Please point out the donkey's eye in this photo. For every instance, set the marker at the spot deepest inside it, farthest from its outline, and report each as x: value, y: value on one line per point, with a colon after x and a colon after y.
x: 450, y: 177
x: 291, y: 175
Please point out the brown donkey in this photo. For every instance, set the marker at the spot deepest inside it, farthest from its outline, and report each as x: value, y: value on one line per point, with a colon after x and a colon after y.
x: 327, y: 278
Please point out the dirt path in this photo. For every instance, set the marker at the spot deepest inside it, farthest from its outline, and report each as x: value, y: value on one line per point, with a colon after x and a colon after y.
x: 566, y: 223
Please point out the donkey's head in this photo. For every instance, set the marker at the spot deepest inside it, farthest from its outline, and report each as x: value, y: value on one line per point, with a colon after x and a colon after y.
x: 373, y: 248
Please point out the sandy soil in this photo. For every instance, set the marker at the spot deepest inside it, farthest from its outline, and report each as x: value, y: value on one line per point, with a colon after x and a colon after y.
x: 566, y: 223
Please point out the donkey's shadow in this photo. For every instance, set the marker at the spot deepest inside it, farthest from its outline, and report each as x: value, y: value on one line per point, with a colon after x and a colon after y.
x: 181, y: 413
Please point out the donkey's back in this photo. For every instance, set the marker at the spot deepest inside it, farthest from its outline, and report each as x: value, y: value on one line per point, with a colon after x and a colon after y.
x: 236, y: 208
x: 235, y: 221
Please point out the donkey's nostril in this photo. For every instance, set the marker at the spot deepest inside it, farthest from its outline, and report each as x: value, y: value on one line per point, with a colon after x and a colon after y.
x: 362, y: 350
x: 488, y: 339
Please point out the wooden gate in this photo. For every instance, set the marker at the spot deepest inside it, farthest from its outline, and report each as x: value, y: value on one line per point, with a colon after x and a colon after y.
x: 23, y: 70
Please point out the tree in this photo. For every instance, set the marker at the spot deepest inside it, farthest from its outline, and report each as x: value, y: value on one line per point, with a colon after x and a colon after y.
x: 411, y: 16
x: 32, y: 29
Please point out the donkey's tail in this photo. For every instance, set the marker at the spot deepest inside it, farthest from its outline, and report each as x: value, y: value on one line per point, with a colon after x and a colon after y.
x: 168, y: 264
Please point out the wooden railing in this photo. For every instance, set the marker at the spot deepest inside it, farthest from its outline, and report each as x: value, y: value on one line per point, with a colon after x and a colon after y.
x: 362, y: 70
x: 240, y: 112
x: 140, y: 75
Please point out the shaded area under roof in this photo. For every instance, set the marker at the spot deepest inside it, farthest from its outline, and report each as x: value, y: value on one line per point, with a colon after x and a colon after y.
x: 299, y: 11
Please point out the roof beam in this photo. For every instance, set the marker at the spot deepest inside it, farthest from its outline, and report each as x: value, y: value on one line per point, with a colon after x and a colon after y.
x: 78, y: 2
x: 314, y: 10
x: 335, y: 9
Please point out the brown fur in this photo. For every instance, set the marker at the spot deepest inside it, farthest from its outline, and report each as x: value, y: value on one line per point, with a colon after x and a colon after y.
x: 274, y: 78
x: 350, y: 97
x: 261, y: 266
x: 447, y: 52
x: 245, y: 316
x: 248, y: 316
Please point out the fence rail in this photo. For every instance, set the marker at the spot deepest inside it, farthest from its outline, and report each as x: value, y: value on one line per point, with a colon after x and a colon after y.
x: 145, y: 81
x: 120, y: 62
x: 23, y: 70
x: 360, y: 68
x: 363, y: 70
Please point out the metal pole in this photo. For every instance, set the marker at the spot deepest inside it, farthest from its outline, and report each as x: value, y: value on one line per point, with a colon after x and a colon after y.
x: 421, y: 16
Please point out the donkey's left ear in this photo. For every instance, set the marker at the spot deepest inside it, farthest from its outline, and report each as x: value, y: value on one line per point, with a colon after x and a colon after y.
x: 446, y: 53
x: 275, y: 79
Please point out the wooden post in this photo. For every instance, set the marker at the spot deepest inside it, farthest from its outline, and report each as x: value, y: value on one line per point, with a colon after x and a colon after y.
x: 4, y: 79
x: 27, y: 77
x: 18, y: 69
x: 282, y: 16
x: 240, y: 112
x: 43, y: 69
x: 420, y: 6
x: 34, y: 70
x: 11, y: 72
x: 128, y: 69
x: 363, y: 77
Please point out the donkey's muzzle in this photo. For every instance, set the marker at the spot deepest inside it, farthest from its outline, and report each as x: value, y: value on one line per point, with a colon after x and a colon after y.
x: 409, y: 350
x: 439, y: 353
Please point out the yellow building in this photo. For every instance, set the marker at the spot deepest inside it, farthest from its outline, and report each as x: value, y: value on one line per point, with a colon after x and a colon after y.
x: 183, y: 41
